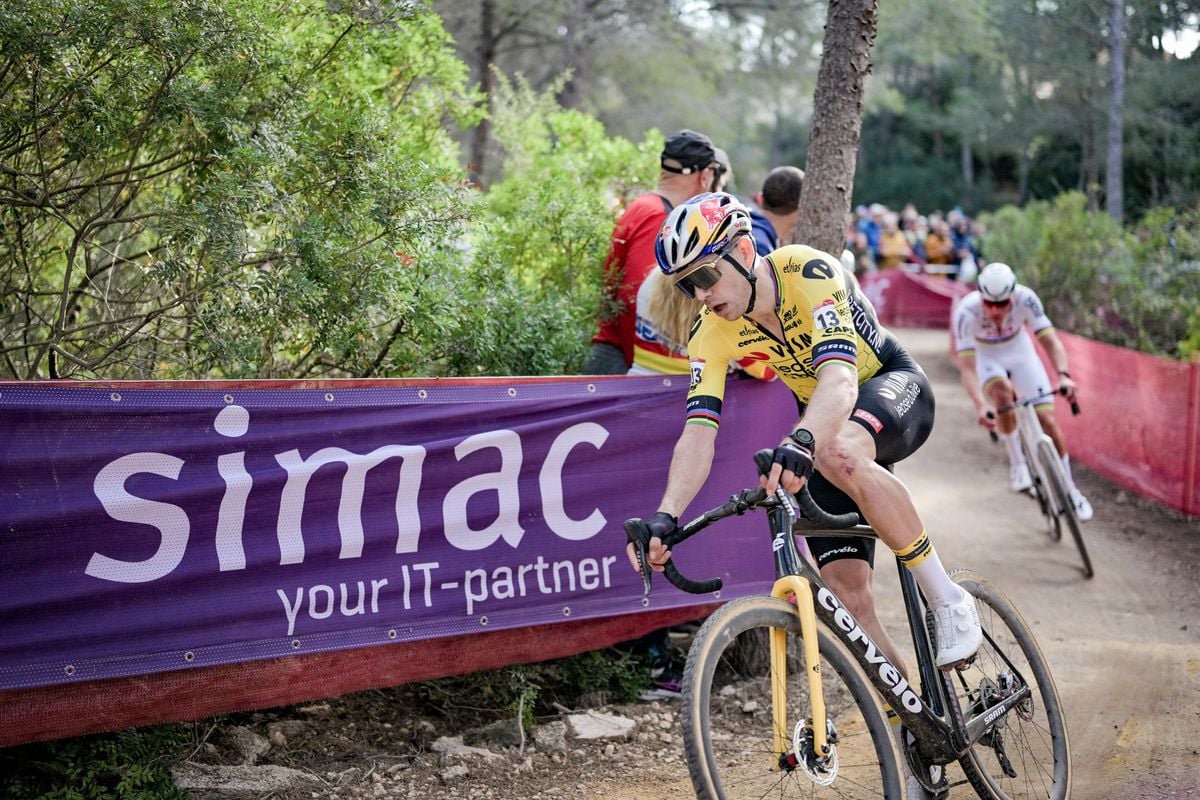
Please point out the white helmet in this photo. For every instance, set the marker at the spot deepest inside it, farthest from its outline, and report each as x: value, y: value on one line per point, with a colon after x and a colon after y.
x: 996, y: 282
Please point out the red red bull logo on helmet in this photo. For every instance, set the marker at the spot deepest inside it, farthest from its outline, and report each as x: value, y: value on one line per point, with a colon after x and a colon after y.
x: 712, y: 211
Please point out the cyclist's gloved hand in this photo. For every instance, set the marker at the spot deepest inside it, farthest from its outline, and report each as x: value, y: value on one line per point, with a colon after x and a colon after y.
x: 661, y: 524
x: 795, y: 459
x: 656, y: 554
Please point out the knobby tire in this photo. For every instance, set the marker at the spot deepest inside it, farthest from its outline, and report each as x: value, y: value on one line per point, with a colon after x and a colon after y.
x: 727, y: 719
x: 1058, y: 485
x: 1041, y: 493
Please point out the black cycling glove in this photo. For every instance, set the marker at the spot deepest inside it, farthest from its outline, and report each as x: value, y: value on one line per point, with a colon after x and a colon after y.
x: 795, y: 458
x: 661, y: 524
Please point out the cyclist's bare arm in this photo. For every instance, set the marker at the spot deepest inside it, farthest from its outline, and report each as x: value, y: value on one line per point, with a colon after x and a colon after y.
x: 826, y: 413
x: 690, y: 466
x: 970, y: 381
x: 1058, y: 357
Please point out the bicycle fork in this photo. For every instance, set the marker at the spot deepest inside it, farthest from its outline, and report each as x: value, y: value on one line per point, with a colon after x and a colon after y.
x: 787, y: 587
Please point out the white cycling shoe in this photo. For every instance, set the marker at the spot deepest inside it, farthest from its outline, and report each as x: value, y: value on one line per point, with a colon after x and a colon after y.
x: 1083, y: 509
x: 1019, y: 478
x: 959, y: 633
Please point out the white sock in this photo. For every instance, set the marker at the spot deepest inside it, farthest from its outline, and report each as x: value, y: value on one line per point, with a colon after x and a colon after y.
x: 922, y: 560
x: 1066, y: 462
x: 1013, y: 444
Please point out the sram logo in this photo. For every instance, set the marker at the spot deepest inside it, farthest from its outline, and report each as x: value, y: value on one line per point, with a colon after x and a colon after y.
x: 890, y: 675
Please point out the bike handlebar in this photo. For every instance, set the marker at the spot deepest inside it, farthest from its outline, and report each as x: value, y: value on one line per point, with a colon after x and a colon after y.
x: 1028, y: 401
x: 638, y: 533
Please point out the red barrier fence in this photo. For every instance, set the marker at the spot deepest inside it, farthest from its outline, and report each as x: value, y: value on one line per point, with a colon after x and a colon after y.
x: 1140, y: 420
x: 911, y: 300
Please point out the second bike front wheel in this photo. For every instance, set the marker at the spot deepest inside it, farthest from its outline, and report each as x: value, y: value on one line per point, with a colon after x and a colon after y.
x: 728, y: 729
x: 1066, y: 507
x: 1041, y: 494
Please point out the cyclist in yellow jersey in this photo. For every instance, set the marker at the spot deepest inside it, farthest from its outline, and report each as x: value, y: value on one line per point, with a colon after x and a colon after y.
x: 795, y: 311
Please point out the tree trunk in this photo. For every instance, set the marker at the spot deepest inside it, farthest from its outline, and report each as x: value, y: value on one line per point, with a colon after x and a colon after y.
x: 836, y: 124
x: 1023, y: 170
x: 487, y: 57
x: 574, y: 49
x: 1114, y: 178
x: 967, y: 158
x: 1089, y: 160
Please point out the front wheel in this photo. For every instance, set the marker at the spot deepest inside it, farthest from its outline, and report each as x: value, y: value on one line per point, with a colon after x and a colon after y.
x: 728, y: 729
x: 1041, y: 492
x: 1058, y: 484
x: 1023, y: 753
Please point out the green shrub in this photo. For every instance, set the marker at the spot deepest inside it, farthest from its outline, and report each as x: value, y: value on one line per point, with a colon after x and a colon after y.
x: 128, y: 765
x: 542, y: 233
x: 1138, y: 289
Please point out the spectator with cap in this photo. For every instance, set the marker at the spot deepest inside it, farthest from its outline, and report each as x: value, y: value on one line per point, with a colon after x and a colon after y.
x: 778, y: 207
x: 689, y: 166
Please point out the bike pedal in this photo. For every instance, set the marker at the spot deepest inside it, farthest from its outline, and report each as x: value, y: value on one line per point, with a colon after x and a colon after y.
x: 959, y: 666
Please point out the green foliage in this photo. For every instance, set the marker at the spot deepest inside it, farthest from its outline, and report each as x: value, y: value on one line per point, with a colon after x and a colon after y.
x: 197, y: 190
x: 620, y: 675
x: 129, y: 765
x: 542, y: 236
x: 1139, y: 290
x: 529, y: 690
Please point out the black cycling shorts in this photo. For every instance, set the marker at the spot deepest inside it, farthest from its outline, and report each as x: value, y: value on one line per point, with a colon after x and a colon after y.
x: 896, y: 407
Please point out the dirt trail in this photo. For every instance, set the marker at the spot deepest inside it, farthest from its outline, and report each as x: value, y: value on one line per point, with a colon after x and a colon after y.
x: 1125, y: 646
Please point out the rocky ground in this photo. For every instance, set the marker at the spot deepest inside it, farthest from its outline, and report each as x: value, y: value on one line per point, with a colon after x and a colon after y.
x: 371, y: 745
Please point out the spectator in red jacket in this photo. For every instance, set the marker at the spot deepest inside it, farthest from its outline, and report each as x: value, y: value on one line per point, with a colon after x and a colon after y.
x: 689, y: 167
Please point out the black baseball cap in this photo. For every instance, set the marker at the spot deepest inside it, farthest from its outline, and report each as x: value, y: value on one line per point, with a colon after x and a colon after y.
x: 687, y: 152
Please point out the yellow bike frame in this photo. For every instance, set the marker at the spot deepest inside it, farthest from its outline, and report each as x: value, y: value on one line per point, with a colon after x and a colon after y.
x: 787, y: 587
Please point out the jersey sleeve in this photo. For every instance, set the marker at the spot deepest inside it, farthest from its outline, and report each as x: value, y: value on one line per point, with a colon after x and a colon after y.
x: 1035, y: 313
x: 709, y: 354
x: 964, y: 327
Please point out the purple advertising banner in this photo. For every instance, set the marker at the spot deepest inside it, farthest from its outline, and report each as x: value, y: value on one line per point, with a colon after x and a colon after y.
x: 156, y: 527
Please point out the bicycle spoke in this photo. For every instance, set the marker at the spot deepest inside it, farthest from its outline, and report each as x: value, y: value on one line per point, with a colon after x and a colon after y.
x: 728, y: 716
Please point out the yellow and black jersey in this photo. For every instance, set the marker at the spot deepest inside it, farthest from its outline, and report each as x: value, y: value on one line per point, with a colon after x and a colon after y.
x: 825, y: 320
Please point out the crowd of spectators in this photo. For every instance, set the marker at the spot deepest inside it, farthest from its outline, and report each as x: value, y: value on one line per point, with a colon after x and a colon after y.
x: 946, y: 244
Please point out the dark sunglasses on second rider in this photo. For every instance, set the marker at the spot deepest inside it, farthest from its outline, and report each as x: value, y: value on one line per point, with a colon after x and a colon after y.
x: 997, y: 303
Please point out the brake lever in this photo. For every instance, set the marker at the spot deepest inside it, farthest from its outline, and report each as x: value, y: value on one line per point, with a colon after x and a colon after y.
x: 639, y: 535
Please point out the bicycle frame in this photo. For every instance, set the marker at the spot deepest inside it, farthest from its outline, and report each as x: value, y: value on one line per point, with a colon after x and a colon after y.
x: 1029, y: 428
x: 930, y: 711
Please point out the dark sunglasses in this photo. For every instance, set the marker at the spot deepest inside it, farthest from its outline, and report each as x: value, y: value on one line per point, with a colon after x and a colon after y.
x: 704, y: 276
x: 997, y: 303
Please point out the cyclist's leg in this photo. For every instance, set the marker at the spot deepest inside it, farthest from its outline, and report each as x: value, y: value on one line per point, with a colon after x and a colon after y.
x: 894, y: 415
x: 1030, y: 380
x: 845, y: 564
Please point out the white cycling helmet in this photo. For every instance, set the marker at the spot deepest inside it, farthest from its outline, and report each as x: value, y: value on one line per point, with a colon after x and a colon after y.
x: 996, y: 282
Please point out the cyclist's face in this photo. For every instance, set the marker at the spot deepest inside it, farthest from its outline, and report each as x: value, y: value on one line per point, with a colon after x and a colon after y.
x: 729, y: 297
x: 996, y: 312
